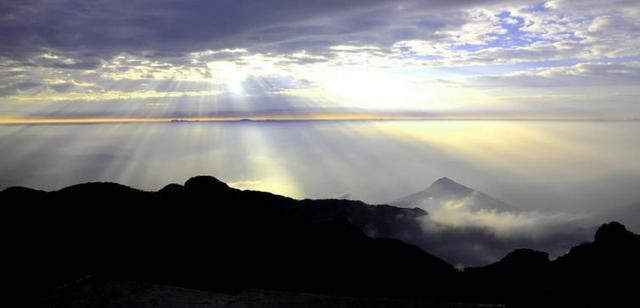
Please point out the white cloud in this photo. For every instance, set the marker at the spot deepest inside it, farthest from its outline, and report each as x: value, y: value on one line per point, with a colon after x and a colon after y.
x: 581, y: 74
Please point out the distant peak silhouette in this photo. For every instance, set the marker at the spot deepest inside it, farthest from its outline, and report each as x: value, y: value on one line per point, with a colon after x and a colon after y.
x: 526, y: 256
x: 517, y: 262
x: 205, y: 184
x: 171, y: 188
x: 446, y: 190
x: 611, y: 232
x: 21, y: 190
x: 450, y: 186
x: 445, y: 181
x: 107, y: 189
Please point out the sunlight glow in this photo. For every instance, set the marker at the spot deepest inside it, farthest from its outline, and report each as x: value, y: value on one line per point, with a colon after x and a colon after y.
x: 514, y: 148
x: 229, y: 74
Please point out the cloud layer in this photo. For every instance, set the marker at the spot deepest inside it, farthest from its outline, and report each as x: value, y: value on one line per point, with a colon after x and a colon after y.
x: 200, y: 58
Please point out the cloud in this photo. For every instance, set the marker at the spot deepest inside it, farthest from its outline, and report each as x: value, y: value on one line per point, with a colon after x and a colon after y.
x: 503, y: 223
x: 477, y: 237
x: 13, y: 87
x: 87, y: 32
x: 581, y: 74
x: 235, y: 51
x: 476, y: 246
x: 167, y: 28
x: 153, y: 27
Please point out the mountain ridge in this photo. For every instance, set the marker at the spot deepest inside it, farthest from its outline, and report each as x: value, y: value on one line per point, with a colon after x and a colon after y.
x: 207, y: 235
x: 110, y: 230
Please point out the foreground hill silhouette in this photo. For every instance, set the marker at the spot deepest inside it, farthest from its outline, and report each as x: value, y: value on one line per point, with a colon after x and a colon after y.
x: 602, y: 273
x: 204, y: 235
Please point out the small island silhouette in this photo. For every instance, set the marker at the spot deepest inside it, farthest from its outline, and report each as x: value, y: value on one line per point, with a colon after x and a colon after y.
x: 71, y: 247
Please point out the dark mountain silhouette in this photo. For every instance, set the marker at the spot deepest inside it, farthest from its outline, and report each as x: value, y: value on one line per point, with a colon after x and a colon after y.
x: 601, y: 273
x: 91, y: 292
x: 517, y: 263
x: 204, y: 235
x: 522, y: 277
x: 613, y: 255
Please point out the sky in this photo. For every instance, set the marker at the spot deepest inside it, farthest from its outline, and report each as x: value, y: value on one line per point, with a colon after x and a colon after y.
x: 64, y: 60
x: 119, y: 67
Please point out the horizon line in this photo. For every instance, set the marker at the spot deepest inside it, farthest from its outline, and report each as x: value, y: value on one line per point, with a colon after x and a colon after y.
x: 303, y: 117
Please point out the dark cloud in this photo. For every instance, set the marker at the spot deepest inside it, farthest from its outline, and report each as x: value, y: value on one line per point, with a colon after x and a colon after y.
x: 158, y: 28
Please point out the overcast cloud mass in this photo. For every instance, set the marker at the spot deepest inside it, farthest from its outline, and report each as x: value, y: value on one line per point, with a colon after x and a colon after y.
x: 63, y: 58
